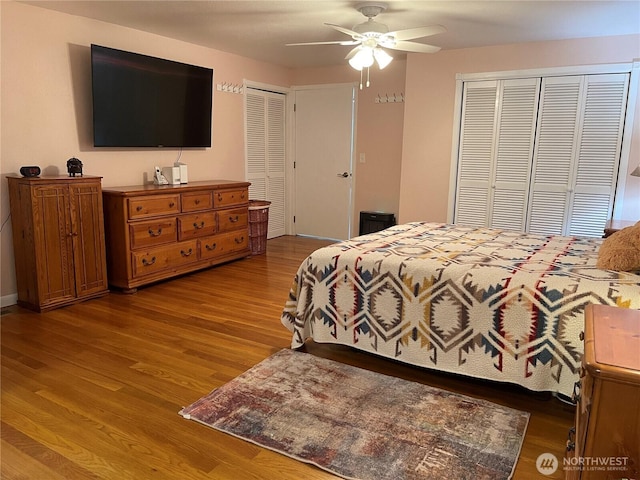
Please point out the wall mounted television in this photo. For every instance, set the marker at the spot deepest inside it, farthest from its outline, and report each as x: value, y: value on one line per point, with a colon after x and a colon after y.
x: 143, y: 101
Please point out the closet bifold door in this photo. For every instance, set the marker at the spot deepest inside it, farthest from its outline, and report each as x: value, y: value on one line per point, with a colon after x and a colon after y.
x: 475, y: 154
x: 265, y: 116
x: 577, y: 153
x: 496, y: 146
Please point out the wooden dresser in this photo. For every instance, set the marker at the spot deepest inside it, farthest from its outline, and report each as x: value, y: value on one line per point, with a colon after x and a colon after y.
x: 58, y: 240
x: 607, y: 425
x: 157, y: 232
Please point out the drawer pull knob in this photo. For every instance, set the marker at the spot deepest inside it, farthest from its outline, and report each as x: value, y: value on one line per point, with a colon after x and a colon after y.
x: 220, y: 197
x: 172, y: 204
x: 242, y: 195
x: 234, y: 219
x: 571, y: 439
x: 139, y: 208
x: 197, y: 201
x: 576, y: 391
x: 187, y: 253
x: 211, y: 247
x: 155, y: 234
x: 198, y: 226
x: 239, y: 240
x: 147, y: 263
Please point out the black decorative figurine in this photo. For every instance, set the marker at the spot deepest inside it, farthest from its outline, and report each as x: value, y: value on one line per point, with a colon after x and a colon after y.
x: 74, y: 167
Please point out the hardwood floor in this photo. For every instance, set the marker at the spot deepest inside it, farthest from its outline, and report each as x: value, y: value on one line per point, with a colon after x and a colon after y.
x: 93, y: 390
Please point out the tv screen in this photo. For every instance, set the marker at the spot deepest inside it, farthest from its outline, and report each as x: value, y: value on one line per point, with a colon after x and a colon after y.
x: 143, y: 101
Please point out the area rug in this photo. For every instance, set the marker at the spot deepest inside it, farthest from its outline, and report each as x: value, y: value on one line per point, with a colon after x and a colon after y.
x: 364, y: 425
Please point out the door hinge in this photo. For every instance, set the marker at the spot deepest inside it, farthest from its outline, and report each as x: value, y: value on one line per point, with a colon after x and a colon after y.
x: 294, y: 164
x: 294, y: 107
x: 294, y: 219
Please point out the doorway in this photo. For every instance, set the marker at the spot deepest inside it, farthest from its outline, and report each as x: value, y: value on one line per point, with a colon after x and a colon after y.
x: 324, y: 126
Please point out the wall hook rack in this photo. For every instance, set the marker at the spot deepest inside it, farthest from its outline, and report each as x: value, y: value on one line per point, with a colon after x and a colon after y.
x: 230, y: 87
x: 393, y: 98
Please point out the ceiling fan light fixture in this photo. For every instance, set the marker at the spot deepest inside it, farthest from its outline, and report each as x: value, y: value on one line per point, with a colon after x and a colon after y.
x: 362, y: 59
x: 382, y: 58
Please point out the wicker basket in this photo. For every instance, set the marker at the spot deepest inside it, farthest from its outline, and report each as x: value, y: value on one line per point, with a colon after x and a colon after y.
x: 258, y: 225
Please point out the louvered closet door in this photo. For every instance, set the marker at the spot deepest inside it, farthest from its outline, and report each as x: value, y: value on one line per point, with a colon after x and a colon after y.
x: 476, y: 152
x: 265, y: 140
x: 577, y: 154
x: 499, y: 119
x: 515, y: 134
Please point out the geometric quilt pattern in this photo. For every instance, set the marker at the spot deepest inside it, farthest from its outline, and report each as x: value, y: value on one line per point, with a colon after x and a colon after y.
x: 492, y: 304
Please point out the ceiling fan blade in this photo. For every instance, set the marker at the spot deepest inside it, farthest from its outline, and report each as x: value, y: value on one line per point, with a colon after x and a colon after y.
x: 344, y: 30
x: 413, y: 47
x: 419, y: 32
x: 345, y: 42
x: 352, y: 53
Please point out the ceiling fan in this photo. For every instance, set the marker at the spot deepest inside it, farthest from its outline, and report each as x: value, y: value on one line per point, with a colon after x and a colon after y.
x: 371, y: 37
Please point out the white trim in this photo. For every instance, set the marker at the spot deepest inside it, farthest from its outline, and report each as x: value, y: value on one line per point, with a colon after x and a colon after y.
x: 323, y: 85
x: 8, y: 300
x: 548, y: 72
x: 625, y: 150
x: 455, y: 145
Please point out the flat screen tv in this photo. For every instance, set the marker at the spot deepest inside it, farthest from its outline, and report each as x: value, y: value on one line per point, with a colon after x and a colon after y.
x: 143, y: 101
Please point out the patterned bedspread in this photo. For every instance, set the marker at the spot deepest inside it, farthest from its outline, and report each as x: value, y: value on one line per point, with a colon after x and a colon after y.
x: 489, y: 304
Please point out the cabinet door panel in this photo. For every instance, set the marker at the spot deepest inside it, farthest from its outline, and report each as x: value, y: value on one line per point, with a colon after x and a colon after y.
x: 87, y: 232
x: 52, y: 212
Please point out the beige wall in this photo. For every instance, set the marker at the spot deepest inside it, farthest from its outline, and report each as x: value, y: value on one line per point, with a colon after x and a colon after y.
x: 428, y: 121
x: 46, y: 105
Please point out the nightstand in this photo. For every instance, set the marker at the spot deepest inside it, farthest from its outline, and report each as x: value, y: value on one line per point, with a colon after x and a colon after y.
x: 607, y: 426
x: 613, y: 226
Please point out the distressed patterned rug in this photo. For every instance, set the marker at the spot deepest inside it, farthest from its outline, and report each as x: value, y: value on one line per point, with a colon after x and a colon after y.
x: 364, y: 425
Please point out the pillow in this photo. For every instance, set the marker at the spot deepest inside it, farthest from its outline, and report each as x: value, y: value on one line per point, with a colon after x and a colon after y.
x: 621, y: 250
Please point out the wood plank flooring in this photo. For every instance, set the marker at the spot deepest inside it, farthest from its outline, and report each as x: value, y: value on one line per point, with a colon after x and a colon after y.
x: 93, y: 390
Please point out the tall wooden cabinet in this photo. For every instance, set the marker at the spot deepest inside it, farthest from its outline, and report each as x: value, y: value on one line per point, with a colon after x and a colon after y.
x: 58, y: 240
x: 605, y: 442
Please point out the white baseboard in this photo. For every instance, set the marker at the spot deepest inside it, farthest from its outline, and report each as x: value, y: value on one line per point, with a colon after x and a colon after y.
x: 8, y: 300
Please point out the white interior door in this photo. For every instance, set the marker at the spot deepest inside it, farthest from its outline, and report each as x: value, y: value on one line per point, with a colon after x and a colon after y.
x: 324, y: 143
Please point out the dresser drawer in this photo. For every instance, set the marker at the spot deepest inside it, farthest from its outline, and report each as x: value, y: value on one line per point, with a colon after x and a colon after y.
x: 155, y: 232
x: 153, y: 206
x: 157, y: 259
x: 226, y: 198
x: 193, y: 202
x: 223, y: 244
x: 197, y: 225
x: 232, y: 219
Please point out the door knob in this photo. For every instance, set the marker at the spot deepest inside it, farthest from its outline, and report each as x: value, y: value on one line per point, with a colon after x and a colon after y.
x: 343, y: 175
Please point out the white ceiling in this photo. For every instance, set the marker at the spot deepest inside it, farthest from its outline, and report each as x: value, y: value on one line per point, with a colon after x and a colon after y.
x: 260, y: 29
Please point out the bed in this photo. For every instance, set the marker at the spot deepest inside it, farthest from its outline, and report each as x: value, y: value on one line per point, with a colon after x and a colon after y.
x: 485, y: 303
